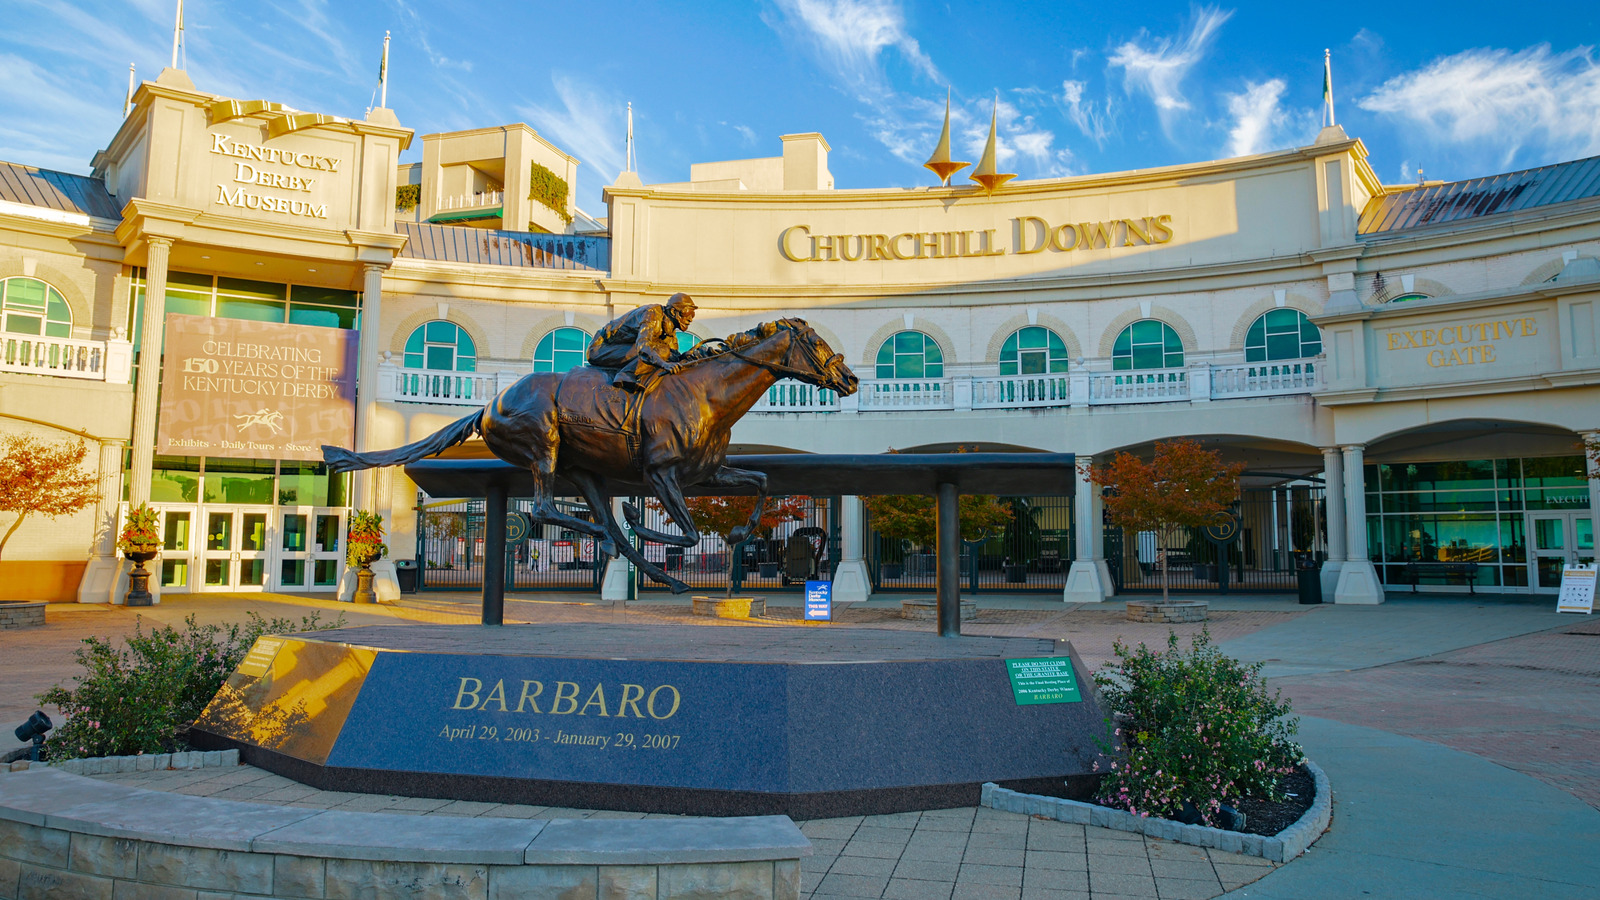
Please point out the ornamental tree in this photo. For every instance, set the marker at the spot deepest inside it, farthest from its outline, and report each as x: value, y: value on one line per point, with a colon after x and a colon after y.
x: 1182, y: 484
x: 43, y: 478
x: 915, y: 517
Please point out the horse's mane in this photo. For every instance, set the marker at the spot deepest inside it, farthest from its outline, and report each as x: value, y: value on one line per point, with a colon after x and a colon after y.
x: 766, y: 330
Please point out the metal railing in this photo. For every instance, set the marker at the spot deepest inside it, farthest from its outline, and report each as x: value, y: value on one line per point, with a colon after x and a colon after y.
x: 108, y: 361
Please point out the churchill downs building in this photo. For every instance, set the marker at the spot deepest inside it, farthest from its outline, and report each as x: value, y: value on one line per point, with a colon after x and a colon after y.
x: 1407, y: 372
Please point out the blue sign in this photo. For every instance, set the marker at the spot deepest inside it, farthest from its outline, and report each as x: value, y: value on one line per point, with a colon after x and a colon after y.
x: 819, y: 601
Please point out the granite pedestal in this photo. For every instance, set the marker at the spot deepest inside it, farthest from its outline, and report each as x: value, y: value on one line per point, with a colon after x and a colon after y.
x: 708, y: 720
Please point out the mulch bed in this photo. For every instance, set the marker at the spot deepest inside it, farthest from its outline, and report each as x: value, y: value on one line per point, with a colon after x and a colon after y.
x: 1267, y: 818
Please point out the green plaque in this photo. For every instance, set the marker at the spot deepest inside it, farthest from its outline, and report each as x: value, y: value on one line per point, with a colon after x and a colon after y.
x: 1044, y: 680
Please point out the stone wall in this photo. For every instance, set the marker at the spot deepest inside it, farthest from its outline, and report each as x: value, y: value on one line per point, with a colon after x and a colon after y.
x: 20, y: 615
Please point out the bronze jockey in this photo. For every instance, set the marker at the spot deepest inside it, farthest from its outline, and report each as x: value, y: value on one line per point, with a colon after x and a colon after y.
x: 642, y: 341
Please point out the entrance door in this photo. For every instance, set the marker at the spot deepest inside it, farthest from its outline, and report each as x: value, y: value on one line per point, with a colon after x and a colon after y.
x: 234, y: 557
x: 310, y: 542
x: 173, y: 568
x: 1557, y: 539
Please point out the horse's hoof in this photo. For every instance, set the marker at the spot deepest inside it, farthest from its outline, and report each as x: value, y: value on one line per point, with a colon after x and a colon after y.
x: 631, y: 513
x: 676, y: 586
x: 738, y: 535
x: 608, y: 548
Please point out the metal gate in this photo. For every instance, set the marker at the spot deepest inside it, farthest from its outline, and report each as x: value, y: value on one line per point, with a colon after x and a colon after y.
x: 1280, y: 528
x: 1032, y: 553
x: 805, y: 548
x: 450, y: 538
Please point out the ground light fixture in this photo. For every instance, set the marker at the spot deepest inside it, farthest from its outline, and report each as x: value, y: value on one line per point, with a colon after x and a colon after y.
x: 33, y: 730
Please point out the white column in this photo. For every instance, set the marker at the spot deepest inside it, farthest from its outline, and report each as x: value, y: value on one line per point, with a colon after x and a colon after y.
x: 1358, y: 580
x: 367, y: 377
x: 1333, y: 505
x: 1591, y: 439
x: 1089, y: 579
x: 851, y: 582
x: 619, y: 571
x: 148, y: 384
x: 100, y: 577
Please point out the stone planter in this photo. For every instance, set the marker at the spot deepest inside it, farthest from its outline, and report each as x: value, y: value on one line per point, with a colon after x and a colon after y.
x: 21, y: 613
x: 730, y: 607
x: 364, y: 592
x: 928, y: 610
x: 1172, y: 612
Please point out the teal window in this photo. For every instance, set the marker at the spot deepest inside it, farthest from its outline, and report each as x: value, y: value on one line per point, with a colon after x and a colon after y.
x: 257, y: 301
x: 561, y: 350
x: 1407, y: 297
x: 1147, y: 344
x: 686, y: 341
x: 33, y: 307
x: 1033, y: 351
x: 1282, y: 334
x: 910, y: 354
x: 441, y: 346
x: 327, y: 307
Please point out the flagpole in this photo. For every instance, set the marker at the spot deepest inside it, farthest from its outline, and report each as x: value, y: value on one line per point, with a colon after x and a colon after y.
x: 177, y: 34
x: 1327, y: 83
x: 127, y: 101
x: 631, y: 162
x: 383, y: 73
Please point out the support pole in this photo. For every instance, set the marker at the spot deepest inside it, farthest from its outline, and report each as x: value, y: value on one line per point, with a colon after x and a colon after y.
x: 494, y: 554
x: 949, y: 564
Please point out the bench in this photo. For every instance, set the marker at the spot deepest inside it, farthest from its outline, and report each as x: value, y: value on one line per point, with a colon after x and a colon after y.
x: 65, y: 835
x: 1415, y: 570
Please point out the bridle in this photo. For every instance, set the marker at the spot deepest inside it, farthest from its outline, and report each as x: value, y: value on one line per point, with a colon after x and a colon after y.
x: 784, y: 369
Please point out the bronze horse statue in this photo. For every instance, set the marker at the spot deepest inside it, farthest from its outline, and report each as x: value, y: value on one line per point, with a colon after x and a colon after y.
x: 575, y: 426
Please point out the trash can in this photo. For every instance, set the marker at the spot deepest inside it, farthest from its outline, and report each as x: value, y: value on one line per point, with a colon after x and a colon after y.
x: 1310, y: 579
x: 405, y: 572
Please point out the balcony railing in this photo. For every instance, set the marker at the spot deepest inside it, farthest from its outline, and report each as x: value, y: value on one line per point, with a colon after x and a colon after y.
x: 108, y: 361
x: 472, y: 201
x: 1199, y: 382
x: 446, y: 388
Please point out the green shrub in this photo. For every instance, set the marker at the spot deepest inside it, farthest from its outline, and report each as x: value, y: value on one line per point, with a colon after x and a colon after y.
x: 1196, y: 726
x: 141, y: 699
x: 549, y: 189
x: 407, y: 196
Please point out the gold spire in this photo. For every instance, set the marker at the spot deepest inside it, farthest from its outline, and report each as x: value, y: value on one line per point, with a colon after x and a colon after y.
x: 940, y: 162
x: 986, y: 173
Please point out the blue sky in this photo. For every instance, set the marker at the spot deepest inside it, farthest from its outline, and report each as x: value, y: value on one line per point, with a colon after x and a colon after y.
x: 1458, y: 89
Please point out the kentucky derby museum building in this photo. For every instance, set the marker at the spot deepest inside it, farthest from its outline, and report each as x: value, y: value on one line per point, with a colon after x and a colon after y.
x: 1408, y: 372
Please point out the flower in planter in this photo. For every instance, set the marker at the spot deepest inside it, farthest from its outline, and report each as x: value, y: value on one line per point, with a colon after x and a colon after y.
x: 139, y: 531
x: 364, y: 539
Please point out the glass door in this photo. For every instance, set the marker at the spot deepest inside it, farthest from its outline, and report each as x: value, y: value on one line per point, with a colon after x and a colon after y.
x: 327, y: 555
x: 1557, y: 539
x: 310, y: 549
x: 234, y: 557
x: 173, y: 567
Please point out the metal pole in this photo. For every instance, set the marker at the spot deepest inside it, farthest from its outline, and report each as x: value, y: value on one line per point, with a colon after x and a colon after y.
x: 949, y: 564
x: 494, y: 554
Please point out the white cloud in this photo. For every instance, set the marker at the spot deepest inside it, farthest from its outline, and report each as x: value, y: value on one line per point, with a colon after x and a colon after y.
x: 747, y: 133
x: 1256, y: 117
x: 850, y: 37
x: 1500, y: 101
x: 1157, y: 67
x: 1090, y: 117
x: 1023, y: 143
x: 587, y: 123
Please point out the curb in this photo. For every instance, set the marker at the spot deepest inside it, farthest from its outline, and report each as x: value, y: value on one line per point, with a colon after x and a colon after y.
x: 1281, y: 847
x: 144, y: 762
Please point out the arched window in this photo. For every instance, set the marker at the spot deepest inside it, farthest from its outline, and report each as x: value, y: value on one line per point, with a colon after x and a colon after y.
x: 1034, y: 350
x: 561, y: 350
x: 686, y: 341
x: 1147, y: 344
x: 1405, y: 297
x: 33, y: 307
x: 910, y: 354
x: 441, y: 346
x: 1281, y: 334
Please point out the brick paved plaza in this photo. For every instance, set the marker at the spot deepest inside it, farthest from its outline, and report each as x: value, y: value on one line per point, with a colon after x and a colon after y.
x: 1506, y: 682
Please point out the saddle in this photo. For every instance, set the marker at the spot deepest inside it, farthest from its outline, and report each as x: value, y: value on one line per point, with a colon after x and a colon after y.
x: 594, y: 403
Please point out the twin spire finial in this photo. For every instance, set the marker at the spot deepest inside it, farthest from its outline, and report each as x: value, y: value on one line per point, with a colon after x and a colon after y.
x: 988, y: 173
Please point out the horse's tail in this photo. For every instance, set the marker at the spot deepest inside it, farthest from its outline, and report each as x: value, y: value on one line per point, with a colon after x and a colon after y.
x: 342, y: 460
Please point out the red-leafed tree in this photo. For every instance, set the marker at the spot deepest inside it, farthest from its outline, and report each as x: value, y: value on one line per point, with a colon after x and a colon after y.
x: 1182, y: 484
x: 721, y: 515
x: 47, y: 479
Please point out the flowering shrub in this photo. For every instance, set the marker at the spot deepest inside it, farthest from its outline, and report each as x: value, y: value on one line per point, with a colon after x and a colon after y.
x: 141, y: 698
x: 1196, y: 726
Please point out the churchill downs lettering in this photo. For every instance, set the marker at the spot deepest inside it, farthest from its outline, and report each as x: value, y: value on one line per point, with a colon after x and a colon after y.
x: 274, y: 168
x: 1462, y: 345
x: 623, y: 701
x: 1030, y: 234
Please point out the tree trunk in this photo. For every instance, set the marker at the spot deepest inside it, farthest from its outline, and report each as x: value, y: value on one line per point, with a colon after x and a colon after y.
x: 1161, y: 552
x: 12, y: 530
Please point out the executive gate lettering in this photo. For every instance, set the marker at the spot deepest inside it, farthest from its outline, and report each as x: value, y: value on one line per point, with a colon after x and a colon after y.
x: 660, y: 703
x: 1031, y: 234
x: 1462, y: 345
